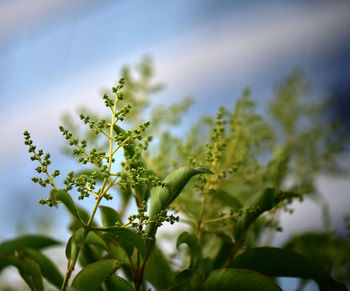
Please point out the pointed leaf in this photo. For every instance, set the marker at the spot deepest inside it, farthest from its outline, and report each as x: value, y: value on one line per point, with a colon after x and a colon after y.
x: 129, y: 236
x: 91, y: 237
x: 32, y: 241
x: 66, y: 199
x: 161, y: 197
x: 47, y: 267
x: 117, y: 283
x: 189, y: 239
x: 92, y: 276
x: 258, y: 204
x: 28, y: 269
x: 109, y: 216
x: 283, y: 263
x: 238, y: 280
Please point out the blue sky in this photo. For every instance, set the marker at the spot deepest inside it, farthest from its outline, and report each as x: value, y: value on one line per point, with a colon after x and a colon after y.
x: 56, y: 55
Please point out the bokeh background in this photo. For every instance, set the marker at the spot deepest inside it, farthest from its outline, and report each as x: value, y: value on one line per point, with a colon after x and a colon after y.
x: 58, y: 55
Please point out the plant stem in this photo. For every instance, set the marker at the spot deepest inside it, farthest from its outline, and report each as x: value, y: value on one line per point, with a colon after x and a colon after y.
x: 70, y: 270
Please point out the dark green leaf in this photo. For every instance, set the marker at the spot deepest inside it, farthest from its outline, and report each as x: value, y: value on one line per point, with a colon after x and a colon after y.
x: 117, y: 283
x: 109, y: 216
x: 92, y: 276
x: 189, y: 239
x: 224, y: 252
x: 276, y: 262
x: 91, y: 237
x: 162, y: 197
x: 158, y: 271
x: 325, y: 248
x: 183, y: 276
x: 238, y: 280
x: 130, y: 237
x: 31, y: 241
x: 28, y: 269
x: 47, y: 267
x: 66, y: 199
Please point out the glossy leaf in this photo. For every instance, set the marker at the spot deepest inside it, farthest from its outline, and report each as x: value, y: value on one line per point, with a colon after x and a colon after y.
x: 117, y: 283
x: 91, y: 237
x: 130, y: 237
x: 66, y: 199
x: 161, y: 197
x: 238, y: 280
x: 276, y: 262
x: 31, y: 241
x: 28, y: 269
x: 109, y: 216
x: 92, y: 276
x: 47, y: 267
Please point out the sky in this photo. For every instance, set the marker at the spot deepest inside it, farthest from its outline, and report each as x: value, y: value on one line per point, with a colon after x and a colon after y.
x: 56, y: 55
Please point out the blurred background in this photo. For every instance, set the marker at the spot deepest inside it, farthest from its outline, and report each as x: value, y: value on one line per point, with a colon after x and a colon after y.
x: 58, y: 55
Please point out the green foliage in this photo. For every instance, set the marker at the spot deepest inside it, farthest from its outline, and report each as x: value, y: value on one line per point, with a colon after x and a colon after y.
x: 228, y: 179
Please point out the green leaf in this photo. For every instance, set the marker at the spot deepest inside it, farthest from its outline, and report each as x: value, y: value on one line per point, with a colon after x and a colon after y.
x: 66, y: 199
x: 109, y: 216
x: 117, y: 283
x: 224, y: 251
x: 325, y: 248
x: 31, y: 241
x: 182, y: 277
x: 227, y: 199
x: 28, y: 269
x: 276, y: 262
x: 258, y: 204
x: 189, y: 239
x: 47, y: 267
x: 91, y: 237
x: 92, y: 276
x: 158, y: 271
x: 130, y: 237
x: 162, y: 197
x: 238, y: 280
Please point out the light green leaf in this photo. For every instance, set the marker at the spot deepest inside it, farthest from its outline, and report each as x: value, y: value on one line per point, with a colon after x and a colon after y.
x: 227, y: 199
x: 162, y: 197
x: 238, y: 280
x: 92, y: 276
x: 276, y: 262
x: 117, y: 283
x: 258, y: 204
x: 47, y: 267
x: 109, y: 216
